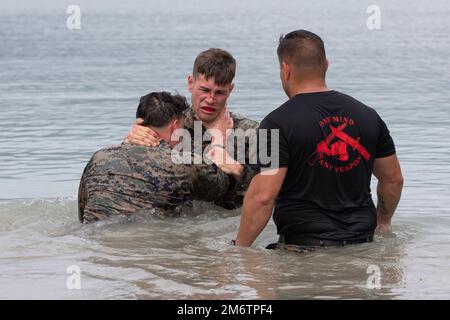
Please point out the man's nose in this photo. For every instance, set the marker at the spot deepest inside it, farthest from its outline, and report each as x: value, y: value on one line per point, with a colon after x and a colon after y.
x: 210, y: 98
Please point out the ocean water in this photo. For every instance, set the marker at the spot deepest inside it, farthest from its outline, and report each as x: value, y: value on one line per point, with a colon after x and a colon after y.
x: 66, y: 93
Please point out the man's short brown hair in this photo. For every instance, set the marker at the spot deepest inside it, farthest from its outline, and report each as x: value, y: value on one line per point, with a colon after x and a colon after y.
x: 303, y: 49
x: 216, y: 63
x: 159, y: 108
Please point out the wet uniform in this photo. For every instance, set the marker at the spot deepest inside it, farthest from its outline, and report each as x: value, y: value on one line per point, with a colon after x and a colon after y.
x: 235, y: 196
x: 130, y: 179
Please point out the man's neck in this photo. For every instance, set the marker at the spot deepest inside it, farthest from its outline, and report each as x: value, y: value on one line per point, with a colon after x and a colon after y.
x: 161, y: 133
x: 224, y: 115
x: 308, y: 87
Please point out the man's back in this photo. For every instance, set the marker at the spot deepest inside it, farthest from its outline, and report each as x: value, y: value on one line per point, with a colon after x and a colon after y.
x: 319, y: 191
x: 328, y: 141
x: 129, y: 179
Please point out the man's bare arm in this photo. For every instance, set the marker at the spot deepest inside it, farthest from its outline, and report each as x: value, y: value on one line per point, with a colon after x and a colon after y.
x: 258, y: 205
x: 142, y: 135
x: 389, y: 189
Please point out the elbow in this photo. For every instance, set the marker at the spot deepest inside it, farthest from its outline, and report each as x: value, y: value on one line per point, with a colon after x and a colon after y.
x: 401, y: 181
x: 264, y: 199
x: 394, y: 178
x: 394, y: 181
x: 398, y: 180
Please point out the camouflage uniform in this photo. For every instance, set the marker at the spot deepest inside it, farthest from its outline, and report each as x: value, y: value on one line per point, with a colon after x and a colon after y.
x: 130, y: 179
x: 235, y: 196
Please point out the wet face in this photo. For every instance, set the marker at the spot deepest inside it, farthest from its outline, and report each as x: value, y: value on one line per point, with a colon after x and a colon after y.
x: 208, y: 98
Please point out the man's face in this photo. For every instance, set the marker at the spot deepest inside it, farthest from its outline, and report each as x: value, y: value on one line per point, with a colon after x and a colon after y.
x: 208, y: 98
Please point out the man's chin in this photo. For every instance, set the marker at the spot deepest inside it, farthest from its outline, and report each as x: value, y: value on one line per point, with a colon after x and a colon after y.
x: 206, y: 117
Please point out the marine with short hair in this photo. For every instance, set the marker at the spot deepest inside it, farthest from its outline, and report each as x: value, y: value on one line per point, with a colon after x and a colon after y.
x: 210, y: 84
x: 141, y: 180
x: 329, y: 146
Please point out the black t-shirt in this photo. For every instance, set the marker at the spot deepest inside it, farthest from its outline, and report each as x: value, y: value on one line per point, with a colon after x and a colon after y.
x: 328, y: 141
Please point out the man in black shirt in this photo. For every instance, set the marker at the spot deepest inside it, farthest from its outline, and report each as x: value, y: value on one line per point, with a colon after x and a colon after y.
x: 329, y: 144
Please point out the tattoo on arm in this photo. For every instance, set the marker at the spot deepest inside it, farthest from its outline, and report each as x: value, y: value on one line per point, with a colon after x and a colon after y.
x: 381, y: 206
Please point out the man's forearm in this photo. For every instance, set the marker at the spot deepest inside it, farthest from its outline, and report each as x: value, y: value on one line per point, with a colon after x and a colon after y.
x: 255, y: 215
x: 388, y: 198
x: 237, y: 172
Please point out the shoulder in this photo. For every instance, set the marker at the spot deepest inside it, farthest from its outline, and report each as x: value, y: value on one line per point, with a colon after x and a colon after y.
x: 107, y: 152
x: 242, y: 122
x: 276, y: 117
x: 365, y: 112
x: 189, y: 118
x: 129, y: 152
x: 159, y: 155
x: 352, y: 101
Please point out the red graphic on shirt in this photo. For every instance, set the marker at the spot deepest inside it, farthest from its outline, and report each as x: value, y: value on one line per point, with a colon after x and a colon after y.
x: 336, y: 147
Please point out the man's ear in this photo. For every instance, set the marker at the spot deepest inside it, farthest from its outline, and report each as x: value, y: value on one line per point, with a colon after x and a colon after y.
x: 190, y: 83
x: 231, y: 88
x: 326, y: 63
x: 286, y: 70
x: 174, y: 125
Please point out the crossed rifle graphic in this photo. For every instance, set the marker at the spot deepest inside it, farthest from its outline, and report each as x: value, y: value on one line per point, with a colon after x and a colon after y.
x: 345, y: 138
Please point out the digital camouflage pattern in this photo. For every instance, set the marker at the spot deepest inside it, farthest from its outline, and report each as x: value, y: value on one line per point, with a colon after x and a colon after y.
x: 130, y: 179
x: 235, y: 196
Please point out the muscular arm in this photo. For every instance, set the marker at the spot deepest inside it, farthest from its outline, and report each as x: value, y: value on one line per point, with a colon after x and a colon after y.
x: 258, y: 205
x: 389, y: 189
x: 142, y: 135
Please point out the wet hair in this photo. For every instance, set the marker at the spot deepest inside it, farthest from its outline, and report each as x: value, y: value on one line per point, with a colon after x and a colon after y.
x: 303, y: 49
x: 216, y: 63
x: 159, y: 108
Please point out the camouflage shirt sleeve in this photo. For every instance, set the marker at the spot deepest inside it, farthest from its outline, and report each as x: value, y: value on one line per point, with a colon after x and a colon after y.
x: 235, y: 196
x: 82, y: 193
x: 209, y: 182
